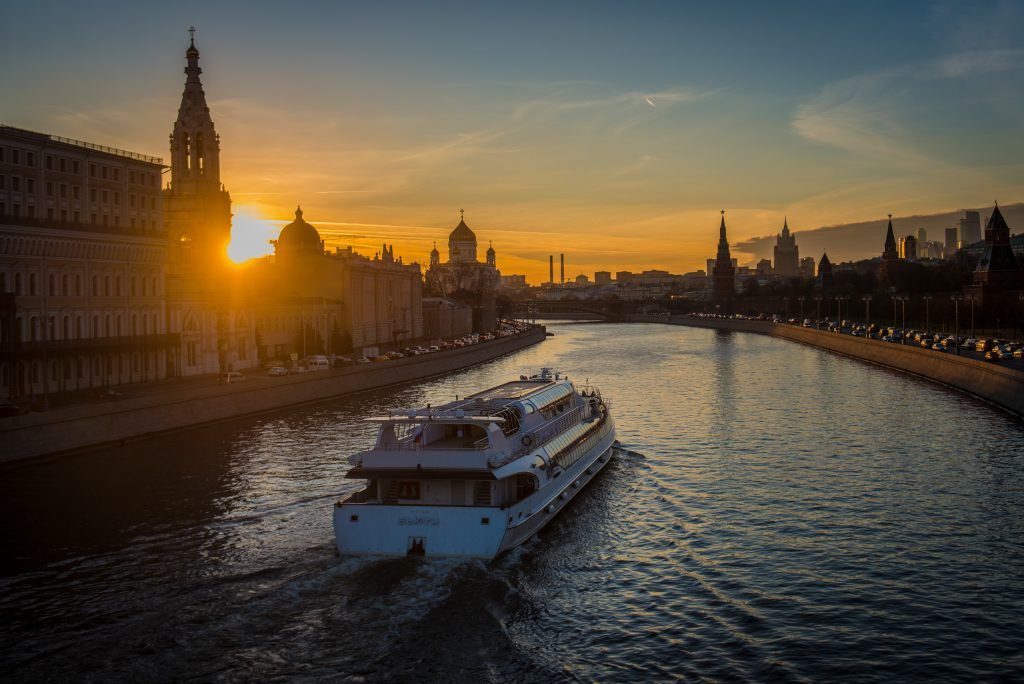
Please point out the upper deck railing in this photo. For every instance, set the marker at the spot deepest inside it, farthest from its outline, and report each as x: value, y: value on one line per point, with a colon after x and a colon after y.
x: 91, y: 146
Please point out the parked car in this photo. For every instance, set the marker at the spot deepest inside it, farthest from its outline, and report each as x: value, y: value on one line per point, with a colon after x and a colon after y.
x: 363, y: 359
x: 380, y: 359
x: 277, y: 371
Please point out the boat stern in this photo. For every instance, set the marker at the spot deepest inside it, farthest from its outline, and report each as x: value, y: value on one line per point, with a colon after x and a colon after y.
x: 399, y: 530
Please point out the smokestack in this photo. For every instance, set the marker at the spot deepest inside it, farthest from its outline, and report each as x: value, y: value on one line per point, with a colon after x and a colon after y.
x: 562, y: 257
x: 551, y: 269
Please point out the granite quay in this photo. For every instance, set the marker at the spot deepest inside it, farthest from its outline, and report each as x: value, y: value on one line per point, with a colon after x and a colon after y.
x: 203, y: 401
x: 994, y: 383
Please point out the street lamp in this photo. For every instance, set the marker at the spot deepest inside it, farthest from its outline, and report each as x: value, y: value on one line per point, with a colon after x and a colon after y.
x: 971, y: 297
x: 867, y: 309
x: 927, y: 312
x: 801, y: 300
x: 894, y: 300
x: 956, y: 322
x: 786, y: 300
x: 818, y: 322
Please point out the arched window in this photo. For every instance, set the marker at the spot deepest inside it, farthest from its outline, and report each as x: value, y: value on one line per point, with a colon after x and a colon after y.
x: 78, y: 327
x: 95, y: 285
x: 117, y: 286
x: 31, y: 284
x: 34, y: 329
x: 143, y: 287
x: 17, y: 283
x: 64, y: 285
x: 120, y: 330
x: 106, y: 286
x: 135, y: 322
x: 106, y: 325
x: 155, y: 293
x: 156, y: 329
x: 200, y: 164
x: 3, y: 287
x: 133, y: 286
x: 51, y: 285
x: 78, y: 286
x: 186, y: 147
x: 95, y: 326
x: 65, y: 328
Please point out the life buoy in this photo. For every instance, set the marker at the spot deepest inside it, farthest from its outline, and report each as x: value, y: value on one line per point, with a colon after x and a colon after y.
x: 527, y: 440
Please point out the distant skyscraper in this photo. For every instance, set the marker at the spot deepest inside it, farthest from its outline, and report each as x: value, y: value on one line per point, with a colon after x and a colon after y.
x: 764, y: 267
x: 950, y: 241
x: 922, y: 236
x: 908, y: 247
x: 787, y: 255
x: 970, y: 227
x: 623, y: 276
x: 807, y: 267
x: 723, y: 273
x: 603, y: 277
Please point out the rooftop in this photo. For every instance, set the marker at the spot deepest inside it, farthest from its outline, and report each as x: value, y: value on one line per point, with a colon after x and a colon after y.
x: 46, y: 137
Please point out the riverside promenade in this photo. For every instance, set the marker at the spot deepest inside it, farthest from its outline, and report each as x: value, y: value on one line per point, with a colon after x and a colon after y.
x: 145, y: 411
x: 990, y: 381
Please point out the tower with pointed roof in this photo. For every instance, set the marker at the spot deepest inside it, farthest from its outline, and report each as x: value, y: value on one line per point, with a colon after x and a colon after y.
x: 491, y: 256
x: 724, y: 273
x: 435, y: 256
x: 998, y: 271
x: 205, y: 302
x: 787, y: 254
x: 890, y: 251
x: 824, y: 272
x: 197, y: 208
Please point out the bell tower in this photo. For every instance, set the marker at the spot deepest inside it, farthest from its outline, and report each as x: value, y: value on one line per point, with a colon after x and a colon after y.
x: 206, y: 302
x: 197, y: 208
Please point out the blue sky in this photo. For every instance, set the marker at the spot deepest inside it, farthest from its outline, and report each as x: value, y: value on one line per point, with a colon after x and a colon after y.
x: 552, y: 123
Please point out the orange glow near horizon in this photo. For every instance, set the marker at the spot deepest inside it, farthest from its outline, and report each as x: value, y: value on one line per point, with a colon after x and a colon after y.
x: 250, y: 235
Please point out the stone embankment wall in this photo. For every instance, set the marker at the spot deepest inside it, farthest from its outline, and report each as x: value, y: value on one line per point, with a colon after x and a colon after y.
x: 95, y: 425
x: 990, y: 381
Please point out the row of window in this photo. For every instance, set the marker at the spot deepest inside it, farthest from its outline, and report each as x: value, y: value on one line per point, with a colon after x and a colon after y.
x: 147, y: 286
x: 32, y: 328
x: 52, y: 190
x: 75, y: 368
x: 76, y: 216
x: 53, y: 163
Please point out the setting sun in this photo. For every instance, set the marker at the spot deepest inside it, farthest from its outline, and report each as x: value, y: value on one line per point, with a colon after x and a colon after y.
x: 251, y: 235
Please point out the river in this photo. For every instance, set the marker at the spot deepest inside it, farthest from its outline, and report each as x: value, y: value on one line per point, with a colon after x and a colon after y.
x: 773, y: 512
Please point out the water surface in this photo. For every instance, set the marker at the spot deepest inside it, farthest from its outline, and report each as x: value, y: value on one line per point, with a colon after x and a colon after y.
x: 773, y: 511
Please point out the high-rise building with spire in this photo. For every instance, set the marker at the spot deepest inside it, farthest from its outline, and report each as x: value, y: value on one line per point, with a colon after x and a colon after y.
x: 787, y: 254
x: 217, y: 331
x: 724, y: 274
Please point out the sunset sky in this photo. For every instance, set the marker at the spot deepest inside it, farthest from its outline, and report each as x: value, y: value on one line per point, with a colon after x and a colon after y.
x: 613, y: 132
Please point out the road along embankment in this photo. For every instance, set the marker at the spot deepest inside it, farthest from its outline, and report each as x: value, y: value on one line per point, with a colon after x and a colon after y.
x: 87, y: 426
x: 990, y: 381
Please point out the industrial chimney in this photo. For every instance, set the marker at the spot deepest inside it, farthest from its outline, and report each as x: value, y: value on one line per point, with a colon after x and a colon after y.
x: 551, y: 269
x: 562, y: 256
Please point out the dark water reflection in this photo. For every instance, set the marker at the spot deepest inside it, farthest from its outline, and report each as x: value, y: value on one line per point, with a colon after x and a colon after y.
x: 774, y: 512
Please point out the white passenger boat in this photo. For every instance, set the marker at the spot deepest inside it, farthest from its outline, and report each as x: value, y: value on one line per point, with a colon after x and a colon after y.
x: 478, y: 476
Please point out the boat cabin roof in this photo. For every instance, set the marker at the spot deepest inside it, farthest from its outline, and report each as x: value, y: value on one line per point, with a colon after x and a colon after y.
x: 437, y: 418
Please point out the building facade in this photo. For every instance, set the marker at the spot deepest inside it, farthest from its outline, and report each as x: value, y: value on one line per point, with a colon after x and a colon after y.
x: 82, y: 262
x: 311, y: 301
x: 465, y: 279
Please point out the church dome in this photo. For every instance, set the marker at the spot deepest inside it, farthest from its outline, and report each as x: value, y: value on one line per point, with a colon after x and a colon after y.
x: 462, y: 233
x: 299, y: 236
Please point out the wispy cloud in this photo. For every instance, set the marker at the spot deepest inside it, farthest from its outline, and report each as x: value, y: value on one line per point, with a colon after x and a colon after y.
x: 881, y: 114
